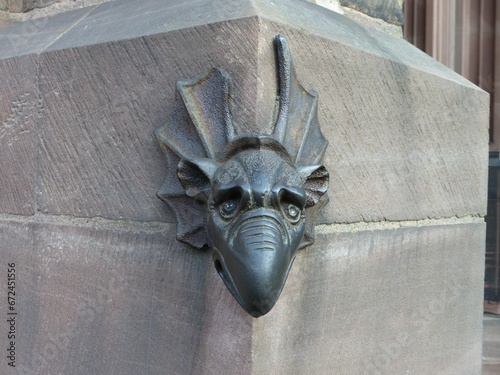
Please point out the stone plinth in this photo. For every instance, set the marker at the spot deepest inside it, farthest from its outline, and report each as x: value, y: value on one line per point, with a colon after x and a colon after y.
x: 394, y: 281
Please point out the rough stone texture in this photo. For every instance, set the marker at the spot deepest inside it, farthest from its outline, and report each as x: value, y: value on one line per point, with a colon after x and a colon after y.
x: 388, y: 10
x: 19, y: 109
x: 97, y: 138
x: 46, y: 8
x: 401, y: 301
x: 132, y: 300
x: 390, y: 112
x: 329, y: 4
x: 52, y: 7
x: 35, y: 36
x: 376, y: 23
x: 119, y: 301
x: 20, y: 6
x: 408, y: 141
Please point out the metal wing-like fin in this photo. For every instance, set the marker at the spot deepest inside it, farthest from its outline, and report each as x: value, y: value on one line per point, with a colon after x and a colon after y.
x: 297, y: 126
x: 200, y: 128
x: 285, y: 74
x: 207, y: 101
x: 201, y: 125
x: 309, y: 235
x: 179, y: 134
x: 189, y: 212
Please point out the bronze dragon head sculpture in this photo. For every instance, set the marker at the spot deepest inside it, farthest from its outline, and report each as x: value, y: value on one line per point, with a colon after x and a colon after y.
x: 252, y: 198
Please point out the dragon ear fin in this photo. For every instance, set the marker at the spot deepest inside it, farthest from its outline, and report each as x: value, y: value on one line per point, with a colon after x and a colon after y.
x: 196, y: 176
x: 286, y: 76
x: 316, y: 180
x: 297, y: 125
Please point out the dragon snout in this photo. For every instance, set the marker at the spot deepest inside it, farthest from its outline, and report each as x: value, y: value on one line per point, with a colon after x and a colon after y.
x: 254, y: 264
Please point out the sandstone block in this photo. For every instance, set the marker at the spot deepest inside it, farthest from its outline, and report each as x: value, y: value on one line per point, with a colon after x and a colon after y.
x: 397, y: 301
x: 102, y: 298
x: 34, y: 36
x: 19, y: 112
x: 118, y: 301
x: 388, y: 10
x: 403, y: 142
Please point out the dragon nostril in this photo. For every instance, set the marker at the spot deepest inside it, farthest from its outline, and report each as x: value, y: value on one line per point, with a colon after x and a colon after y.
x: 227, y: 280
x: 218, y: 267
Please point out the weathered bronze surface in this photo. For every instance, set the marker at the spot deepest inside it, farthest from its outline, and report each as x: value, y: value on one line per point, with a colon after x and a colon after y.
x: 252, y: 198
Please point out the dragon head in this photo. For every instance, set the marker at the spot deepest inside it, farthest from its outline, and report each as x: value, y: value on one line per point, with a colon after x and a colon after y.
x: 257, y: 193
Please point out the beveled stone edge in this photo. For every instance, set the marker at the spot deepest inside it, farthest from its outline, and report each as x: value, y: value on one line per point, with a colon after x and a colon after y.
x: 326, y: 229
x: 426, y: 63
x: 96, y: 222
x: 163, y: 227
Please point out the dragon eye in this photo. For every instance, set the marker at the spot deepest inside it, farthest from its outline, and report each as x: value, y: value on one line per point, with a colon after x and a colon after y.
x: 292, y: 201
x: 292, y: 212
x: 228, y: 208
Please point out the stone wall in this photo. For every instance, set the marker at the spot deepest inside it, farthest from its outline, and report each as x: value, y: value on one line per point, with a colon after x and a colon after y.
x: 390, y: 11
x: 20, y: 6
x: 22, y: 10
x: 394, y: 282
